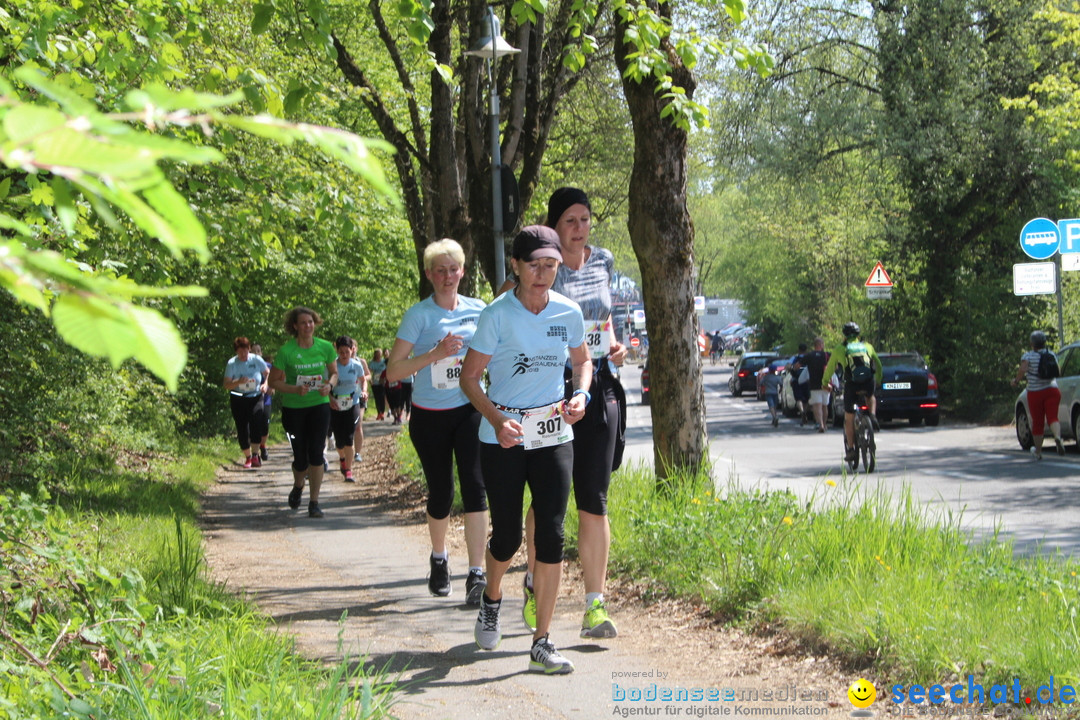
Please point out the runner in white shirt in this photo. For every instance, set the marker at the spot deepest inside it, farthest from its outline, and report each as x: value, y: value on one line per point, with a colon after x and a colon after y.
x: 431, y: 343
x: 523, y: 340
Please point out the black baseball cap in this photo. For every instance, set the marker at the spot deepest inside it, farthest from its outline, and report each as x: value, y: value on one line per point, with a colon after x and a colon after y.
x: 536, y: 241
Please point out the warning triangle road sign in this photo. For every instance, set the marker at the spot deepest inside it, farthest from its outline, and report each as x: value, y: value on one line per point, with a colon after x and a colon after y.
x: 878, y: 277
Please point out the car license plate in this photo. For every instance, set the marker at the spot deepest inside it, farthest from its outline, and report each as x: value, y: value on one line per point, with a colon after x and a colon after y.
x: 896, y: 386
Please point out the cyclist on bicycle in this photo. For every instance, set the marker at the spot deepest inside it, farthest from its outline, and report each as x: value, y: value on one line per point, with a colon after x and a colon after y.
x: 716, y: 346
x: 862, y: 373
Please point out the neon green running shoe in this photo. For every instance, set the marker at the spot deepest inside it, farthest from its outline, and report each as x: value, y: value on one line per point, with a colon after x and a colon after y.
x: 528, y: 610
x: 597, y: 623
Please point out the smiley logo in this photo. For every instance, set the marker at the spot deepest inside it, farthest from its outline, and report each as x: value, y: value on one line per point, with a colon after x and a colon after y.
x: 862, y: 693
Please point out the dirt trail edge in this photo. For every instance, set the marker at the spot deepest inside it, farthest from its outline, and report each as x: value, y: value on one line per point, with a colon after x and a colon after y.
x: 369, y: 558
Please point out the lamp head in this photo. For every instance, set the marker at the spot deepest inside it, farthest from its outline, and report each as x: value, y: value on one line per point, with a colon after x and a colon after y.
x: 492, y: 45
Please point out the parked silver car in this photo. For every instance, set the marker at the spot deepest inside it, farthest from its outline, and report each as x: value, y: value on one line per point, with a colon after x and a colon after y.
x: 1069, y: 409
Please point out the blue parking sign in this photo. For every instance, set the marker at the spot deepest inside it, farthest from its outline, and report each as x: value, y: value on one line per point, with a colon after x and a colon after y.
x: 1040, y: 239
x: 1069, y: 231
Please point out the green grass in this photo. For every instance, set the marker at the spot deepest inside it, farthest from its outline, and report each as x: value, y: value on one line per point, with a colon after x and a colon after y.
x: 883, y: 582
x: 112, y: 614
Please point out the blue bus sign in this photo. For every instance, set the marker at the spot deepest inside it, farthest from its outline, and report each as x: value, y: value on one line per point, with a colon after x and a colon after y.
x: 1040, y: 239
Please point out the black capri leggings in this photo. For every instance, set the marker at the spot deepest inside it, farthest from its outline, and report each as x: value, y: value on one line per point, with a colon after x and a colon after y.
x: 380, y: 398
x: 343, y: 424
x: 306, y: 428
x: 594, y: 451
x: 440, y: 437
x: 250, y: 417
x: 547, y: 472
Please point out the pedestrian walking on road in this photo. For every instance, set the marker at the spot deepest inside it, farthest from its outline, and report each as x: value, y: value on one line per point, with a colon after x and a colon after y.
x: 377, y: 366
x: 815, y: 362
x: 245, y: 379
x: 771, y: 380
x: 1043, y: 395
x: 345, y: 404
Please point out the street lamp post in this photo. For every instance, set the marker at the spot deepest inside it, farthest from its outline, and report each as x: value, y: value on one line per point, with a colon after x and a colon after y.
x: 491, y: 47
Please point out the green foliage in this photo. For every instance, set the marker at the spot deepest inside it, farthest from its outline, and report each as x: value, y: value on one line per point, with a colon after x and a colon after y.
x: 78, y: 639
x: 731, y: 547
x: 195, y: 219
x: 653, y: 35
x: 886, y: 137
x: 108, y: 162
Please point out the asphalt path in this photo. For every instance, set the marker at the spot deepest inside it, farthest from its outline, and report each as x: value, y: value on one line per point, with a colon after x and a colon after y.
x: 976, y: 473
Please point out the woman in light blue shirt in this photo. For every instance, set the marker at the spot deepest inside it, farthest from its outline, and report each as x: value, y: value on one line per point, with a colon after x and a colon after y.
x: 431, y: 345
x: 245, y: 379
x: 523, y: 340
x: 346, y: 402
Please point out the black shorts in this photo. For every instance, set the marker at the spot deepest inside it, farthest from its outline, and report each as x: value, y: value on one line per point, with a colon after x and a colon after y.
x: 852, y: 390
x: 343, y: 425
x: 546, y: 472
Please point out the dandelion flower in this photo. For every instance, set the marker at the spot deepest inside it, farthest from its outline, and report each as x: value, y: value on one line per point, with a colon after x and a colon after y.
x: 787, y: 520
x: 830, y: 483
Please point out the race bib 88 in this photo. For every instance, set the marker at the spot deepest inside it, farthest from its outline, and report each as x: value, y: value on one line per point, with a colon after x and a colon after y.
x: 446, y: 373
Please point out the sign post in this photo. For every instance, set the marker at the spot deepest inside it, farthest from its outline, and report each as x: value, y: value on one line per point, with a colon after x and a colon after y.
x: 878, y: 287
x: 1041, y: 239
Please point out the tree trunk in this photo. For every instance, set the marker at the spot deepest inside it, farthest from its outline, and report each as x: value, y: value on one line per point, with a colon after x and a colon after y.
x: 663, y: 238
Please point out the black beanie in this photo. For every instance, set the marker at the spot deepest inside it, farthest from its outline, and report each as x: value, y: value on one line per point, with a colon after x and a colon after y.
x: 563, y: 198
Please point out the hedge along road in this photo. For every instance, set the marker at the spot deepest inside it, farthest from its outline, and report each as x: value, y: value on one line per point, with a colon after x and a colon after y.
x: 978, y: 471
x: 370, y: 561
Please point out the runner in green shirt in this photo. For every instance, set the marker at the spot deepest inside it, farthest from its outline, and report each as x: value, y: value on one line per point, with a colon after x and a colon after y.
x: 304, y: 374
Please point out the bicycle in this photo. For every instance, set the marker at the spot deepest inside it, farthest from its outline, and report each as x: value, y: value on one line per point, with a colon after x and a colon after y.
x: 865, y: 445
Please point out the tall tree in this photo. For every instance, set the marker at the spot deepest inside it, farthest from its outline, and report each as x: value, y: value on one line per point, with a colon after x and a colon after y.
x: 974, y: 170
x: 656, y: 62
x: 438, y: 121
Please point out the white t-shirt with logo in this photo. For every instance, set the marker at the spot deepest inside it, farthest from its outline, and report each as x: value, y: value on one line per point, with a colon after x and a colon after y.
x: 528, y: 351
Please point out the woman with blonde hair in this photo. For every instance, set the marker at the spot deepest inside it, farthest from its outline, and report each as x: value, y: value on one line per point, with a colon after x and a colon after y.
x: 431, y: 344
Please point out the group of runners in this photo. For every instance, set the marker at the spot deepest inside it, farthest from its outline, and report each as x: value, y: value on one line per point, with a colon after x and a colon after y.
x: 550, y: 417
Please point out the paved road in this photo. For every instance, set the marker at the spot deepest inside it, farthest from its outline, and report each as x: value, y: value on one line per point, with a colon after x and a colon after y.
x: 978, y: 471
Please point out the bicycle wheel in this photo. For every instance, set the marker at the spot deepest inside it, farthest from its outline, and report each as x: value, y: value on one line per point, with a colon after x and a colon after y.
x: 868, y: 447
x: 852, y: 464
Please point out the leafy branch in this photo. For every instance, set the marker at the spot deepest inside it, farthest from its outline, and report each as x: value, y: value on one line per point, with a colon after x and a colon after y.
x: 113, y: 161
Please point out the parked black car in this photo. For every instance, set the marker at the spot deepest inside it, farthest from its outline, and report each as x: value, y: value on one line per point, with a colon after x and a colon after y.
x: 908, y: 391
x: 744, y: 374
